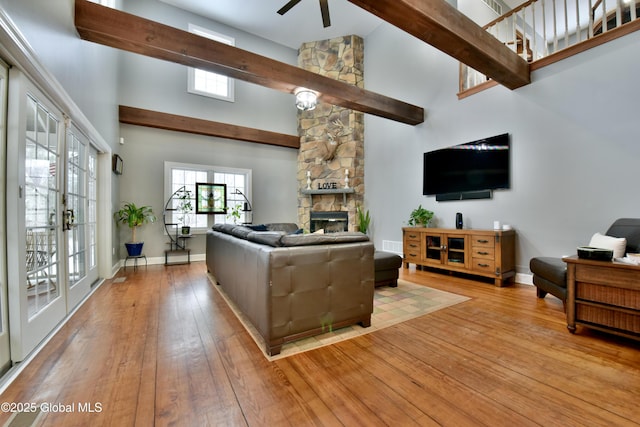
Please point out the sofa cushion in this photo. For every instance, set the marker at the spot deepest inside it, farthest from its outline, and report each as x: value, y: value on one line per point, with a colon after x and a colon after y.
x: 628, y: 228
x: 270, y: 238
x: 224, y: 228
x: 241, y: 232
x: 287, y: 227
x: 552, y: 269
x: 322, y: 239
x: 617, y: 244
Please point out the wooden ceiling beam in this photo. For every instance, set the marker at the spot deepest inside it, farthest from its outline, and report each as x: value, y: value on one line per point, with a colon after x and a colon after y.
x: 155, y: 119
x: 442, y: 26
x: 131, y: 33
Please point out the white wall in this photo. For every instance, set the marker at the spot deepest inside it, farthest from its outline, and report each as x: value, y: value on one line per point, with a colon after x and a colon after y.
x: 162, y: 86
x: 574, y: 146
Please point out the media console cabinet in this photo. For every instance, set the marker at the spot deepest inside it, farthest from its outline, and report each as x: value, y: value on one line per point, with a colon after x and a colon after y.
x: 603, y: 295
x: 487, y: 253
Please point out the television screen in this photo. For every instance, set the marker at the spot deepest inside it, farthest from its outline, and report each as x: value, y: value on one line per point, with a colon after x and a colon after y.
x: 474, y: 166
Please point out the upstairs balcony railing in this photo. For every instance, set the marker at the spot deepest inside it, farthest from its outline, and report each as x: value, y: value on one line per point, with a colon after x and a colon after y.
x: 543, y: 31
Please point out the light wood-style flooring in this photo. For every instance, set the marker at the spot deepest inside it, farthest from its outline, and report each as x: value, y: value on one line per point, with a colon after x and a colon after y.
x: 162, y: 348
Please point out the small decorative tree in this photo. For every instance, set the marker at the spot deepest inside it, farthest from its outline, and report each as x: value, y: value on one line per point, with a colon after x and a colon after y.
x: 134, y: 217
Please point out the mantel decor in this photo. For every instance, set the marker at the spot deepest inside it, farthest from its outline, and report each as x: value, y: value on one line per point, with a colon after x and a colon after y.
x: 211, y: 198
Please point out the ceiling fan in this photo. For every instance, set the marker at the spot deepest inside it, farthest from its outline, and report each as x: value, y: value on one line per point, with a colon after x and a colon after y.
x: 324, y: 9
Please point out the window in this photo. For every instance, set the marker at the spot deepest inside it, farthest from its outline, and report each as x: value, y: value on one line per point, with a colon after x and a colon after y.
x: 206, y: 83
x: 178, y: 175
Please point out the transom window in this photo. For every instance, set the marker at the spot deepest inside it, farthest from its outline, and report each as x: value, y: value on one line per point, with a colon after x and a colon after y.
x: 179, y: 175
x: 206, y: 83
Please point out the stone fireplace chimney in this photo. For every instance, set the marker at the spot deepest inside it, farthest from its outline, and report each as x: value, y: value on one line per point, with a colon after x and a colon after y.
x: 331, y: 137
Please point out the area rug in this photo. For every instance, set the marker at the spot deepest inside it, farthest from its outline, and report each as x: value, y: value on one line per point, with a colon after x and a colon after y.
x: 390, y: 307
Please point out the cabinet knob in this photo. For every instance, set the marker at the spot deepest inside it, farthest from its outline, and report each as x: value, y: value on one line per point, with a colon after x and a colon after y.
x: 483, y: 241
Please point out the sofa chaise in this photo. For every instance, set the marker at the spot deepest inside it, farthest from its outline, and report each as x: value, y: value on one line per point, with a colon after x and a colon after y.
x: 289, y: 285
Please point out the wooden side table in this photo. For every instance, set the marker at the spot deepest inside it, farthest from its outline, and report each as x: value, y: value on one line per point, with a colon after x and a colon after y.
x: 603, y: 295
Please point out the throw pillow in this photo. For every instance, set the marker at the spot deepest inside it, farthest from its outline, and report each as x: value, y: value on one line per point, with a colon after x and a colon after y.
x: 258, y: 227
x: 617, y: 244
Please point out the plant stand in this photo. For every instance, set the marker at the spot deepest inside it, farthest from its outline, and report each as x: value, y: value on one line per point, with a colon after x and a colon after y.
x: 177, y: 242
x: 179, y: 247
x: 135, y: 259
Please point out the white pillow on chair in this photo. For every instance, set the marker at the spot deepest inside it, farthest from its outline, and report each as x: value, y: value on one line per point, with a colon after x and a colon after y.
x: 617, y: 244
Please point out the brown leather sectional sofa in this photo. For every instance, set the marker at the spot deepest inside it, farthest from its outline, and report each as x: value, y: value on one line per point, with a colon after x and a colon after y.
x: 292, y: 286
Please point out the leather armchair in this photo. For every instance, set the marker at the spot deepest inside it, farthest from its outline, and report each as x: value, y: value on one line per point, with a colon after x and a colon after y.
x: 550, y: 274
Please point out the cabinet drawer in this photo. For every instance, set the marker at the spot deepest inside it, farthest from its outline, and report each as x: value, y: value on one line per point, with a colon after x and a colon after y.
x: 412, y: 256
x: 412, y: 246
x: 482, y: 241
x: 606, y: 316
x: 412, y: 235
x: 484, y: 265
x: 620, y: 297
x: 483, y: 252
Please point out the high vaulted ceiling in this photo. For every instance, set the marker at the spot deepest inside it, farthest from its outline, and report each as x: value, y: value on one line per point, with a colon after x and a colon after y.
x: 303, y: 23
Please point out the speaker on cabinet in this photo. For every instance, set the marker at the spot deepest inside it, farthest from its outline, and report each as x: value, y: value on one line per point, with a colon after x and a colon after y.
x: 459, y: 220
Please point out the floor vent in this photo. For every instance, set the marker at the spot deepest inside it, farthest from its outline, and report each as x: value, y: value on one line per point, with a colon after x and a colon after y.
x: 119, y: 279
x: 391, y: 246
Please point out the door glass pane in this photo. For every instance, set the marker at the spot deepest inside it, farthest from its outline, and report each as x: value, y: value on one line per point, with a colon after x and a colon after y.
x: 41, y: 218
x: 76, y: 203
x: 92, y: 206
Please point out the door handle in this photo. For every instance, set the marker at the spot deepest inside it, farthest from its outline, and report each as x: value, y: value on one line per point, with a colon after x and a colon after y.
x: 69, y: 219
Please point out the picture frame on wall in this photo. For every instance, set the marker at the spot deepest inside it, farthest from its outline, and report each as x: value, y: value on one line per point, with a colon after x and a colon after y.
x: 211, y: 198
x: 117, y: 164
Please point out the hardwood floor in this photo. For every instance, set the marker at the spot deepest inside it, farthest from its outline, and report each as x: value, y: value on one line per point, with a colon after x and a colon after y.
x: 162, y: 348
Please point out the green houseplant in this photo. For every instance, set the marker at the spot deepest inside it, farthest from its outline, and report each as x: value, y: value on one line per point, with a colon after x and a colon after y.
x: 134, y: 216
x: 184, y: 207
x: 420, y: 217
x: 234, y: 213
x: 363, y: 219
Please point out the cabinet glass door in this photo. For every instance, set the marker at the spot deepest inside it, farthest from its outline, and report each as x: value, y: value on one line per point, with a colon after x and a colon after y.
x: 434, y: 248
x: 455, y: 253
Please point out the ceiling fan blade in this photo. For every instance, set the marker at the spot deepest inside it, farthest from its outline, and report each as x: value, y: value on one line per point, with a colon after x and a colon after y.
x: 284, y: 9
x: 324, y: 9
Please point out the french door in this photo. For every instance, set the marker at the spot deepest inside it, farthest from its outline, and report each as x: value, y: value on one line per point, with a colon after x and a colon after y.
x: 5, y: 350
x: 51, y: 184
x: 80, y: 219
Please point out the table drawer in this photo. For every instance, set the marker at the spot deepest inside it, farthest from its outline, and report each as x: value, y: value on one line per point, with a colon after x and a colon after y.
x: 484, y: 265
x: 625, y: 320
x: 620, y: 297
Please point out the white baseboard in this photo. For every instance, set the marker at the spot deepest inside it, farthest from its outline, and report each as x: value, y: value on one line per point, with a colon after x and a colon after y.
x: 525, y: 279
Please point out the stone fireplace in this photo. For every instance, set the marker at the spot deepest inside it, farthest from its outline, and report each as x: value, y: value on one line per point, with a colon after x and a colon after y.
x: 330, y: 222
x: 331, y: 137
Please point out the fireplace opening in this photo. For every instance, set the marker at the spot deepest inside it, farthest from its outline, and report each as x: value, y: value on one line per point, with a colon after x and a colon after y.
x: 331, y: 222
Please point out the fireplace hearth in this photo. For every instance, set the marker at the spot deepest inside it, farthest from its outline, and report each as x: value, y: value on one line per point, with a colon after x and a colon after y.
x: 331, y: 222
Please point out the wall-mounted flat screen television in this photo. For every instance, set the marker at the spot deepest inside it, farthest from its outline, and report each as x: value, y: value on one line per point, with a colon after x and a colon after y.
x: 475, y: 167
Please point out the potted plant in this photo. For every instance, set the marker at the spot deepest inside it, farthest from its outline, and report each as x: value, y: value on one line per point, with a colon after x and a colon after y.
x: 234, y: 213
x: 184, y: 207
x: 420, y: 217
x: 363, y: 219
x: 134, y: 216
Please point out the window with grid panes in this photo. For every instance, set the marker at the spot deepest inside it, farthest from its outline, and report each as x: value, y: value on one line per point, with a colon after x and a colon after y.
x: 178, y: 175
x: 206, y: 83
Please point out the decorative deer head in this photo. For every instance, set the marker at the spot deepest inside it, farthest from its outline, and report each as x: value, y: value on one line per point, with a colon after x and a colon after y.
x: 333, y: 139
